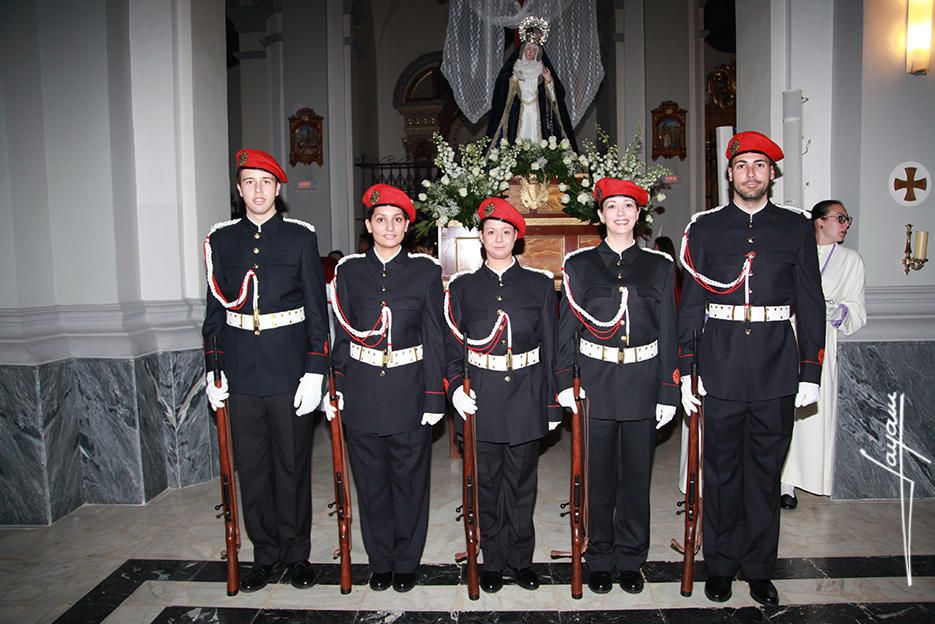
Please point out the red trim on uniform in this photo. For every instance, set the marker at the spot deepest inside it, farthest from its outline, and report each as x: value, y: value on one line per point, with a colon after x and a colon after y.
x: 562, y: 370
x: 676, y: 376
x: 317, y: 353
x: 553, y: 405
x: 811, y: 362
x: 821, y: 355
x: 687, y: 355
x: 434, y: 392
x: 666, y: 383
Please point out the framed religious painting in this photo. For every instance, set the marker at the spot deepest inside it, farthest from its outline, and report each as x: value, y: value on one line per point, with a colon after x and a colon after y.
x: 669, y: 131
x: 305, y: 145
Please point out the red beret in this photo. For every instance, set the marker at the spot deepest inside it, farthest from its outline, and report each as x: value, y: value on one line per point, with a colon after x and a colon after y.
x: 753, y: 142
x: 610, y: 187
x: 497, y: 208
x: 386, y: 195
x: 255, y: 159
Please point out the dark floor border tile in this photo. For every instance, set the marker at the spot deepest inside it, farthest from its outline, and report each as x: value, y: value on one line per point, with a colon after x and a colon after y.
x: 878, y: 613
x: 110, y: 593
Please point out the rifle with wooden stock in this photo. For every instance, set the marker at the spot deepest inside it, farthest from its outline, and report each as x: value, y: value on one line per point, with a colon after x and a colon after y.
x: 469, y: 508
x: 342, y: 500
x: 228, y: 505
x: 691, y: 506
x: 576, y: 495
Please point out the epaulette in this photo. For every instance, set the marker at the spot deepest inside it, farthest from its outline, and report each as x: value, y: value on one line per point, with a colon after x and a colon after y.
x: 576, y: 252
x: 805, y: 213
x: 308, y: 226
x: 348, y: 257
x: 548, y: 274
x: 422, y: 255
x: 222, y: 224
x: 459, y: 274
x: 658, y: 253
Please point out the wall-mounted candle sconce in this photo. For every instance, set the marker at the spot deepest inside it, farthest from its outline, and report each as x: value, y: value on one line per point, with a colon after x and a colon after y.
x: 918, y: 36
x: 916, y: 260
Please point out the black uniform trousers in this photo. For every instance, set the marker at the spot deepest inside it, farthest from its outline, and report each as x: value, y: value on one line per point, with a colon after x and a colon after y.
x: 507, y: 479
x: 745, y: 445
x: 392, y: 477
x: 273, y: 454
x: 620, y: 460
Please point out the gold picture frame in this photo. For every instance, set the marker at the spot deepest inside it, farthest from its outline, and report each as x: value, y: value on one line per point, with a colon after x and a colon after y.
x: 669, y: 131
x: 305, y: 142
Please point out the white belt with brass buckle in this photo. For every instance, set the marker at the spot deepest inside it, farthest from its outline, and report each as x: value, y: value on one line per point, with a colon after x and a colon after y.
x: 384, y: 357
x: 504, y: 362
x: 627, y: 355
x: 749, y: 314
x: 266, y: 321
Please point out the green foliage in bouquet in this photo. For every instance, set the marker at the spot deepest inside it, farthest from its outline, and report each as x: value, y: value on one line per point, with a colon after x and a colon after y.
x: 481, y: 172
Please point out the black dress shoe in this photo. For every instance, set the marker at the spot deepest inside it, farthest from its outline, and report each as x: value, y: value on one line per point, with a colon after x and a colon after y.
x: 787, y: 501
x: 717, y: 588
x: 527, y: 579
x: 301, y: 574
x: 631, y: 581
x: 404, y: 581
x: 256, y: 579
x: 381, y: 580
x: 764, y: 592
x: 491, y: 581
x: 600, y: 582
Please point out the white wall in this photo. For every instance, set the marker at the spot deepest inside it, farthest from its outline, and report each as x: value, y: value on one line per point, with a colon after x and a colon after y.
x: 896, y: 126
x: 403, y: 31
x: 74, y: 70
x: 668, y: 67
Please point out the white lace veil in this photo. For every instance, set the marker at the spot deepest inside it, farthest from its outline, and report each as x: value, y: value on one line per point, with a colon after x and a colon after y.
x: 473, y: 51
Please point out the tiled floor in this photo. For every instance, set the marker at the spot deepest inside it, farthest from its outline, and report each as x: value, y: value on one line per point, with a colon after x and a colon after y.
x: 840, y: 562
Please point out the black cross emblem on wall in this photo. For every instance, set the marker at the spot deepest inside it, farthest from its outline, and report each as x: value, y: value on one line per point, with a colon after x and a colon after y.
x: 910, y: 184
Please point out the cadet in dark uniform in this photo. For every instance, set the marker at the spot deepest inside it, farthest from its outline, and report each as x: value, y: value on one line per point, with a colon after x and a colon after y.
x: 266, y: 307
x: 753, y: 265
x: 619, y: 313
x: 509, y: 313
x: 389, y: 359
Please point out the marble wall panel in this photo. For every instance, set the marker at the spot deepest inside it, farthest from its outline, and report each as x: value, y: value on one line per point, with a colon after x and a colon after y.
x: 105, y: 401
x: 868, y: 373
x: 24, y: 496
x: 151, y: 412
x: 60, y: 423
x: 167, y: 392
x: 193, y: 419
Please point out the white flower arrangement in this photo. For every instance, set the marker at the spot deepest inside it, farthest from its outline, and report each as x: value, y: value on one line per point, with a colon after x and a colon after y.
x: 480, y: 173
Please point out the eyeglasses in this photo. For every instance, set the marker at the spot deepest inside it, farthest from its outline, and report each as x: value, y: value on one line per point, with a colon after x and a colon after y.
x: 842, y: 219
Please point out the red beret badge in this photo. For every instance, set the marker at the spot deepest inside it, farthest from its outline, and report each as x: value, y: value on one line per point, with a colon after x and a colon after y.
x: 374, y: 198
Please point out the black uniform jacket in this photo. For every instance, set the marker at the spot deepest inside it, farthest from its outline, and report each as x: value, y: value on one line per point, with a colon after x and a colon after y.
x: 391, y: 400
x: 597, y: 277
x: 284, y: 255
x: 741, y: 361
x: 512, y: 406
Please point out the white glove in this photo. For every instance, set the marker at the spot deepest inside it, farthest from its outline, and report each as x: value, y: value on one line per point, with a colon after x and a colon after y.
x: 430, y: 419
x: 554, y: 425
x: 831, y: 308
x: 326, y: 404
x: 807, y: 394
x: 463, y: 403
x: 216, y: 396
x: 308, y: 394
x: 690, y: 401
x: 566, y: 398
x: 664, y: 413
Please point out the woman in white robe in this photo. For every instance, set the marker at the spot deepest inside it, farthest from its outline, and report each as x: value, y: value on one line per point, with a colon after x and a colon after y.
x: 810, y: 462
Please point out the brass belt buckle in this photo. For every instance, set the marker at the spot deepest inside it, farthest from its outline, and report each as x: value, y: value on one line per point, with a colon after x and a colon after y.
x: 747, y: 313
x: 509, y: 360
x: 386, y: 357
x: 256, y: 322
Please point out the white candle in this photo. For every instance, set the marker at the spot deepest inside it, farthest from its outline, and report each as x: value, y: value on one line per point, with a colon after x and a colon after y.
x: 922, y: 243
